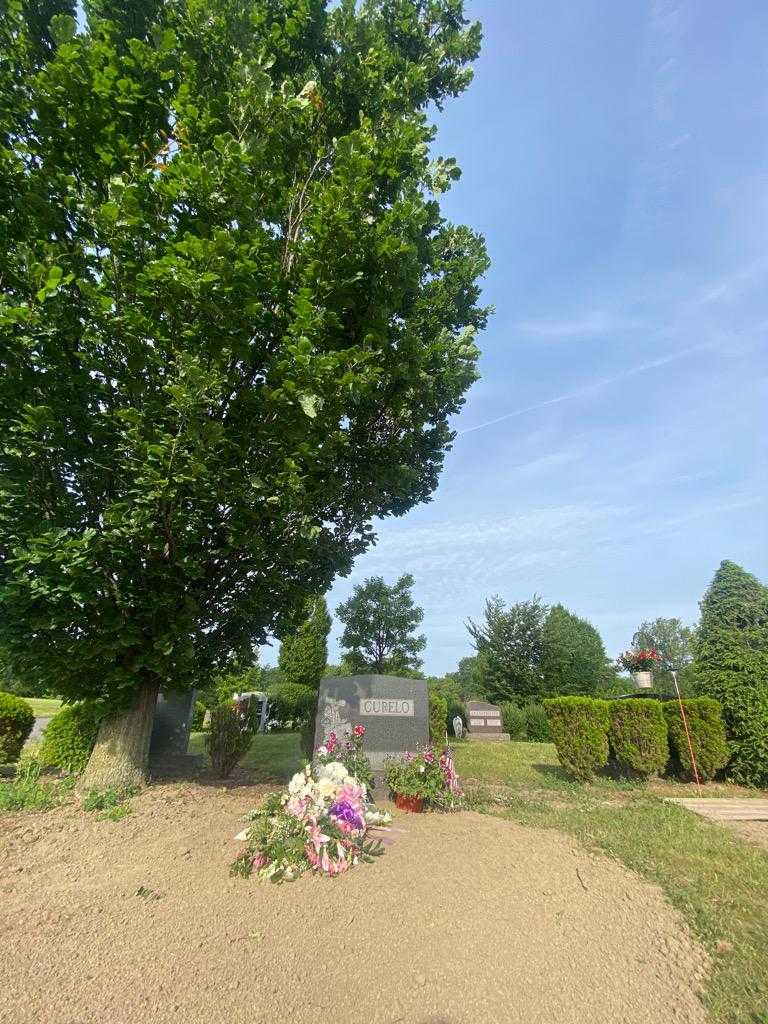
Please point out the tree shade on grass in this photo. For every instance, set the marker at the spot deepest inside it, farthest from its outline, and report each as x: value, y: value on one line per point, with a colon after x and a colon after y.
x: 234, y: 325
x: 731, y: 665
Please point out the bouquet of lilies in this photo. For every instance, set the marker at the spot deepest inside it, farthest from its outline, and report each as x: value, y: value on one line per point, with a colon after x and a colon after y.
x: 322, y: 823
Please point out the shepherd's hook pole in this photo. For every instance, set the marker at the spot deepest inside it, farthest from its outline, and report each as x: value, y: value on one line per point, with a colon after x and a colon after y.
x: 687, y: 734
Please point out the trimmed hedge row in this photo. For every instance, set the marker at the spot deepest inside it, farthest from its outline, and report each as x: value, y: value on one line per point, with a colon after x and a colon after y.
x: 707, y: 732
x: 579, y: 729
x: 639, y: 734
x: 16, y: 722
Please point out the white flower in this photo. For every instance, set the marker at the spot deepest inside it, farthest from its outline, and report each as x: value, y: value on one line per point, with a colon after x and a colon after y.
x: 422, y: 769
x: 326, y: 787
x: 297, y: 784
x: 335, y: 770
x: 378, y: 817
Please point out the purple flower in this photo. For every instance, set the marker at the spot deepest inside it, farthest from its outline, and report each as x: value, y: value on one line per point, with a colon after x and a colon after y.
x: 344, y: 812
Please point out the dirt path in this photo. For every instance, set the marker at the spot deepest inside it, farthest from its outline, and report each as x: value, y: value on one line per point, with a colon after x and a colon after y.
x: 466, y: 919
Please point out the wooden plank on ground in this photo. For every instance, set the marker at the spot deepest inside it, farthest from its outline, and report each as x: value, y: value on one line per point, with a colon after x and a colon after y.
x: 740, y: 809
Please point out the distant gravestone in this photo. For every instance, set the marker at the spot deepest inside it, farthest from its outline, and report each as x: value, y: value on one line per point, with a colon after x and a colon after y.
x: 485, y: 721
x: 172, y: 724
x: 394, y: 711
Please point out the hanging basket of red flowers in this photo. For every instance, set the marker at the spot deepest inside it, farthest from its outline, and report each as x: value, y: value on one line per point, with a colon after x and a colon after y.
x: 640, y: 665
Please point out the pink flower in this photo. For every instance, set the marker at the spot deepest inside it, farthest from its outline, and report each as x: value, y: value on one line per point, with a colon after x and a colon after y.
x: 429, y: 757
x: 317, y: 836
x: 260, y: 861
x: 359, y: 730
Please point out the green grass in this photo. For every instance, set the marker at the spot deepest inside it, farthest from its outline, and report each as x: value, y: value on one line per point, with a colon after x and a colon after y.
x: 44, y: 706
x: 718, y: 881
x: 509, y: 764
x: 272, y: 758
x: 28, y: 792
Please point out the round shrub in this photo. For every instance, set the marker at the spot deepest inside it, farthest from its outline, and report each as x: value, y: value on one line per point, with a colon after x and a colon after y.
x: 70, y: 735
x: 638, y: 736
x: 513, y: 719
x: 16, y: 722
x: 579, y: 728
x: 291, y: 702
x: 707, y: 731
x: 438, y: 715
x: 228, y: 738
x: 536, y: 724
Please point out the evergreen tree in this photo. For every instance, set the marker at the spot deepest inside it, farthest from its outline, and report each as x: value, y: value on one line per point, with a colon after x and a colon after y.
x: 573, y: 658
x: 379, y: 628
x: 304, y: 653
x: 731, y: 665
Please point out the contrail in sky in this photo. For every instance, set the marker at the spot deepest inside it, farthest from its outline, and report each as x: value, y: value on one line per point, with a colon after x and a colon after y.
x: 587, y: 390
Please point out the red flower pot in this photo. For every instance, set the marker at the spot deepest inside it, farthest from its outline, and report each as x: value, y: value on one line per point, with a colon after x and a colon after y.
x: 409, y: 803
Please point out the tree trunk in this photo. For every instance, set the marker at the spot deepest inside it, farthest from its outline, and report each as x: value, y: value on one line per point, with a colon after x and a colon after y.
x: 120, y: 758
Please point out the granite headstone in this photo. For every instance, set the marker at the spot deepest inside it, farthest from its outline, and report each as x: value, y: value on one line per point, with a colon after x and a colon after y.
x: 485, y: 721
x: 394, y: 711
x: 172, y: 724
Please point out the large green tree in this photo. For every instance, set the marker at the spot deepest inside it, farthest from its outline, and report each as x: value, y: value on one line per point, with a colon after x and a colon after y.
x: 573, y: 658
x: 731, y: 664
x: 471, y: 677
x: 304, y: 651
x: 509, y: 642
x: 672, y: 640
x: 380, y: 624
x: 234, y: 323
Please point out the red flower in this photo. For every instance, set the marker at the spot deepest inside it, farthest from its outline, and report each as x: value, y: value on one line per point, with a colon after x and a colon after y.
x: 359, y: 730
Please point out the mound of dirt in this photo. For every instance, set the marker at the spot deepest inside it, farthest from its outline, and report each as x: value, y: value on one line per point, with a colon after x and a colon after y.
x: 465, y: 919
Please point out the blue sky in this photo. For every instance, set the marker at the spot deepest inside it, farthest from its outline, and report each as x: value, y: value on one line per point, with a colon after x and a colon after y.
x: 615, y: 155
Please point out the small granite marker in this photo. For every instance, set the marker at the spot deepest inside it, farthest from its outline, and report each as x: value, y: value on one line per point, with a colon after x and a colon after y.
x: 170, y: 733
x: 394, y: 712
x: 485, y: 721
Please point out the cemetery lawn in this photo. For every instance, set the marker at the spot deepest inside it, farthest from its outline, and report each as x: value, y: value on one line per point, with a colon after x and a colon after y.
x: 717, y: 880
x: 44, y: 707
x: 272, y: 759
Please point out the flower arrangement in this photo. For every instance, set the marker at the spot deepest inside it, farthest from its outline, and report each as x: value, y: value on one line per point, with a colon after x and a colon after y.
x: 350, y: 754
x: 322, y: 823
x: 425, y: 776
x: 644, y: 660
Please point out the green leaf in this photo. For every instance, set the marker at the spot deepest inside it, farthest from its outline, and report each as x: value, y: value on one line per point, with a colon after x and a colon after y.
x: 311, y: 404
